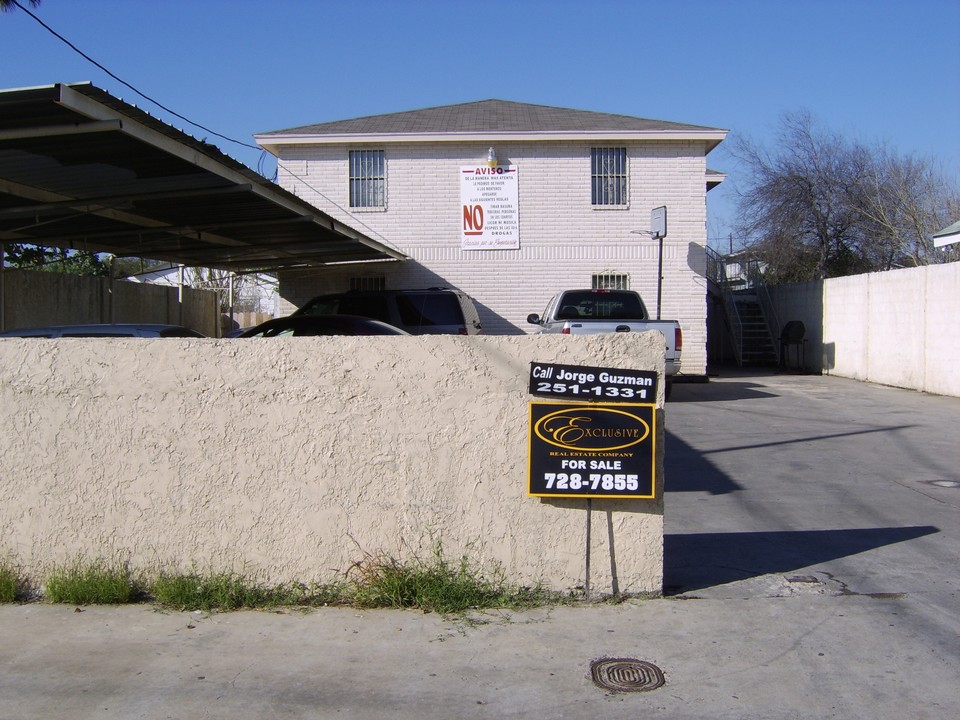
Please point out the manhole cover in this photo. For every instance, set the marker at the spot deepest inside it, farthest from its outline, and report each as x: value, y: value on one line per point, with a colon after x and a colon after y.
x: 626, y: 675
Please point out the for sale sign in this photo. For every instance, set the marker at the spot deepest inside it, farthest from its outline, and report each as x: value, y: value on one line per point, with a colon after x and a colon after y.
x: 490, y: 217
x: 592, y: 451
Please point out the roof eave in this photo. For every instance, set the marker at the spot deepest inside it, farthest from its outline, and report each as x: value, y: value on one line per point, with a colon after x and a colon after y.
x: 271, y: 142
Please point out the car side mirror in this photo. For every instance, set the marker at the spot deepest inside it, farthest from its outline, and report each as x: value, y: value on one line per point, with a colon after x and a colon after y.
x: 533, y: 319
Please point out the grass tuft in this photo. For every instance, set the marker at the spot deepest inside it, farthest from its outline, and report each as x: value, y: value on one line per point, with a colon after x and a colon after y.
x: 229, y: 591
x: 378, y: 581
x: 97, y: 583
x: 12, y: 586
x: 434, y: 585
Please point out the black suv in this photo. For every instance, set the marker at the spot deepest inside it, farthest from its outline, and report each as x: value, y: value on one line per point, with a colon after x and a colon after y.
x: 434, y: 311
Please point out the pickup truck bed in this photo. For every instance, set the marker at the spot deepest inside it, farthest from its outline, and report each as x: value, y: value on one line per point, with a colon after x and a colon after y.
x: 590, y: 312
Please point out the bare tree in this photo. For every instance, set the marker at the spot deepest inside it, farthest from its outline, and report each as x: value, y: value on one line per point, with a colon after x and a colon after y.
x: 9, y: 5
x: 822, y: 206
x: 903, y: 201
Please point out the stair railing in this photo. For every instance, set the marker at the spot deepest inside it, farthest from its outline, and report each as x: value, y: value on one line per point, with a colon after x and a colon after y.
x: 767, y: 306
x: 717, y: 272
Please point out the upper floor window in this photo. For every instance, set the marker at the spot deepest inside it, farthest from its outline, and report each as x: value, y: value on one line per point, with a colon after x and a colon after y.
x: 608, y: 175
x: 368, y: 179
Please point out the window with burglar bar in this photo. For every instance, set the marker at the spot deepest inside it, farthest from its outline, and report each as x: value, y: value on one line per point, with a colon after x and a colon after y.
x: 608, y: 176
x: 368, y: 179
x: 611, y: 281
x: 376, y: 282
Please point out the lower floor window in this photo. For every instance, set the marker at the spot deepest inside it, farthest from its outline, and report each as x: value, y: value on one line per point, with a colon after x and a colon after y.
x: 610, y: 281
x: 374, y: 282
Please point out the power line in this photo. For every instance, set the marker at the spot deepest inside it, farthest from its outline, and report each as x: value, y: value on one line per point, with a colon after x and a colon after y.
x: 128, y: 85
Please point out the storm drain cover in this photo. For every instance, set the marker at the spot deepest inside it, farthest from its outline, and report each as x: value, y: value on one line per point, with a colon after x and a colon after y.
x: 626, y: 674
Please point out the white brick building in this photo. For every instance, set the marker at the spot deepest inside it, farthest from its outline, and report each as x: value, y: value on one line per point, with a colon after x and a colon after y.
x: 582, y: 184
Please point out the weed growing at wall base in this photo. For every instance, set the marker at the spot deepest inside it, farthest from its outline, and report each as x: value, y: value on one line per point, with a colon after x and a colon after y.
x: 97, y: 583
x: 228, y: 591
x: 378, y: 581
x: 435, y: 586
x: 12, y: 586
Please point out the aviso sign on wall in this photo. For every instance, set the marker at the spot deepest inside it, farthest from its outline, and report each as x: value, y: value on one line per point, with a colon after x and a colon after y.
x: 592, y: 450
x: 490, y: 216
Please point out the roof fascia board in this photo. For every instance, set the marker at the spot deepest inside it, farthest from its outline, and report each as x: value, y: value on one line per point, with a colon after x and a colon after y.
x: 45, y: 131
x: 711, y: 138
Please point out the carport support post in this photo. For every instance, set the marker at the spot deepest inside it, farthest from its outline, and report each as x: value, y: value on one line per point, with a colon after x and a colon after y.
x: 3, y: 262
x: 180, y: 294
x: 229, y: 299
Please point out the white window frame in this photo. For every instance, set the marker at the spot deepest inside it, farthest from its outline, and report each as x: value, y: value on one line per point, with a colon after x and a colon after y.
x: 367, y: 172
x: 609, y: 175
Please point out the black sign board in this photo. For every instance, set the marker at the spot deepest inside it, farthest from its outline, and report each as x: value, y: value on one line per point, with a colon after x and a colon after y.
x: 592, y: 451
x: 593, y: 383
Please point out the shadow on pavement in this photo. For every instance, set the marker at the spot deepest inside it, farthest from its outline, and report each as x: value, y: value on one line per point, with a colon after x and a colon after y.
x: 717, y: 392
x: 697, y: 561
x: 686, y: 470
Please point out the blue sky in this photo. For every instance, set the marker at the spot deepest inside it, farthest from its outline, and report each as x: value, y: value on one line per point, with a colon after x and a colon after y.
x: 874, y: 70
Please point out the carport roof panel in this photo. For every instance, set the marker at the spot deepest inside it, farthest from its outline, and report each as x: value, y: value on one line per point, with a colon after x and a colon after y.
x: 82, y: 169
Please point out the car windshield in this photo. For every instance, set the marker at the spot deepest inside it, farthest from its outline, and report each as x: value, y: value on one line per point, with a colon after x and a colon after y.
x: 606, y: 305
x: 368, y: 306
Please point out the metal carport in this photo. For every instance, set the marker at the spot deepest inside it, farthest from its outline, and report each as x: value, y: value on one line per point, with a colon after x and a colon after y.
x: 81, y: 169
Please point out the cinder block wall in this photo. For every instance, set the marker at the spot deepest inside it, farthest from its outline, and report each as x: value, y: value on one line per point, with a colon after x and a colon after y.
x: 289, y: 459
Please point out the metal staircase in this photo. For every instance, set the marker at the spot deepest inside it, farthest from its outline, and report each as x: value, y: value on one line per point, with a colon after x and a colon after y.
x: 747, y: 315
x: 756, y: 343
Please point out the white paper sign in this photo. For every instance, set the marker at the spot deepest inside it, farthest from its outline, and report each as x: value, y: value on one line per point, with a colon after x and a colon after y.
x: 490, y: 216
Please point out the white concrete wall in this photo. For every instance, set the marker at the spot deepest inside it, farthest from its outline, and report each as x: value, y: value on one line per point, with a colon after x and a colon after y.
x: 289, y: 459
x: 563, y: 239
x: 895, y: 328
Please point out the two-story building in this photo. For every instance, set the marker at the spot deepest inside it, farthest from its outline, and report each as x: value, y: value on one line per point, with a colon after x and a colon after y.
x: 511, y: 202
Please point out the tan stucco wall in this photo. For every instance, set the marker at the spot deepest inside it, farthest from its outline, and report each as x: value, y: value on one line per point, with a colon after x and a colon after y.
x: 289, y: 459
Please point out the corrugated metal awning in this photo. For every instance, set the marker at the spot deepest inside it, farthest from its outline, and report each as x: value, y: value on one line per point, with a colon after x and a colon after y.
x: 82, y: 169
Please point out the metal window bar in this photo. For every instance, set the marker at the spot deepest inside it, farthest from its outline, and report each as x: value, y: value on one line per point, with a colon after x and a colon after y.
x: 608, y: 176
x: 367, y: 178
x: 609, y: 280
x: 376, y: 282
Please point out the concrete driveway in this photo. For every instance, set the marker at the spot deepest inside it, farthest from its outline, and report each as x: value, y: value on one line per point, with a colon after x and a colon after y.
x: 813, y: 534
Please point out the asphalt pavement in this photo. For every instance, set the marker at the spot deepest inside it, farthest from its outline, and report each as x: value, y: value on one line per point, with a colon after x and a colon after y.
x: 811, y: 571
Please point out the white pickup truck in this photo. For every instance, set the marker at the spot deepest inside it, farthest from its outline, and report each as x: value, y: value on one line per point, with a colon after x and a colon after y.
x: 588, y: 312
